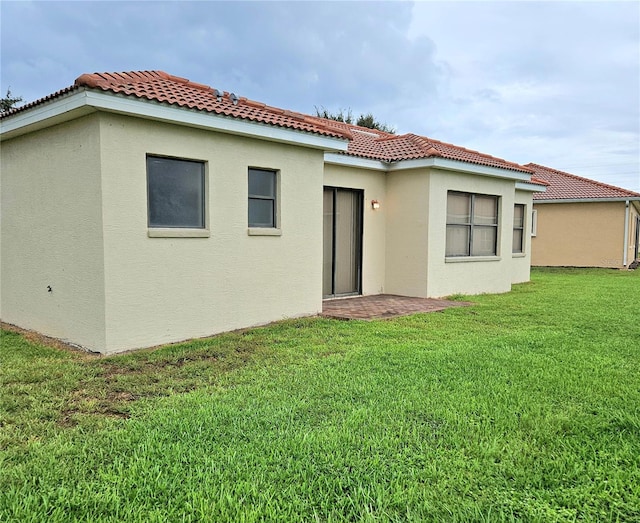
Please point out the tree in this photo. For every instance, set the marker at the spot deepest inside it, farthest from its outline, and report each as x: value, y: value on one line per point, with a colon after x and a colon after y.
x: 343, y: 115
x: 7, y: 103
x: 346, y: 116
x: 368, y: 120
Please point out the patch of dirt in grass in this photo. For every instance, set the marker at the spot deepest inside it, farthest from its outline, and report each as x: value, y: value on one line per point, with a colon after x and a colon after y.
x: 113, y: 385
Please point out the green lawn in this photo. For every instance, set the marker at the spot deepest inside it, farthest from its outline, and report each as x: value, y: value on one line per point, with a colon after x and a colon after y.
x: 525, y: 406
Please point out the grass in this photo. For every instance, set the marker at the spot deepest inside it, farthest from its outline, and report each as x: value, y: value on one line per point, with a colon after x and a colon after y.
x: 525, y: 406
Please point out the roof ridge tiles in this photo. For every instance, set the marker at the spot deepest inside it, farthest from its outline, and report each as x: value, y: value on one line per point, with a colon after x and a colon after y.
x: 430, y: 146
x: 353, y: 127
x: 432, y: 151
x: 253, y: 103
x: 104, y: 80
x: 293, y: 114
x: 539, y: 181
x: 389, y: 138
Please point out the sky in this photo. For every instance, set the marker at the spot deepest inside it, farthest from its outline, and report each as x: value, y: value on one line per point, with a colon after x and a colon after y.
x: 554, y: 83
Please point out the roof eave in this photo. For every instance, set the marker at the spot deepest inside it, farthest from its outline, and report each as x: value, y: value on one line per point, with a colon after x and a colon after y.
x: 587, y: 200
x: 530, y: 187
x: 58, y: 110
x: 348, y: 160
x: 84, y: 101
x: 461, y: 166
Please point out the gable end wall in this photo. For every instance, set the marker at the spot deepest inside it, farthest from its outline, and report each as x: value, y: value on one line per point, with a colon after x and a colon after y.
x: 52, y: 233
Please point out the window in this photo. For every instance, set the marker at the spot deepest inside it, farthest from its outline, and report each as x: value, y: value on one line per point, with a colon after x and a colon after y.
x: 518, y: 228
x: 472, y: 224
x: 262, y: 198
x: 176, y: 193
x: 534, y: 222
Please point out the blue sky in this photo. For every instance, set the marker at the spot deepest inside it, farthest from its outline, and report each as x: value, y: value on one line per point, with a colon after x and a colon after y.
x: 556, y: 83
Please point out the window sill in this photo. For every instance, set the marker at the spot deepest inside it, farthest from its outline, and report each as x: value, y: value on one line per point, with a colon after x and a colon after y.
x: 177, y: 233
x: 463, y: 259
x: 519, y: 255
x: 263, y: 231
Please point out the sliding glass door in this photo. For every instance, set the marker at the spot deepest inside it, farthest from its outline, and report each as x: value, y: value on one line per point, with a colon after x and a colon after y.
x: 342, y: 248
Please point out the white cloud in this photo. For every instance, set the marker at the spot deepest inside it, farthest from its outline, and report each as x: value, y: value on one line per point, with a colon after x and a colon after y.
x: 555, y: 82
x: 550, y: 82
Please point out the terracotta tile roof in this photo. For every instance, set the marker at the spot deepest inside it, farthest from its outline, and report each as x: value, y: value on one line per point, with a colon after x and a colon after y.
x: 566, y: 186
x: 539, y: 181
x: 159, y: 86
x: 162, y: 87
x: 39, y: 101
x: 386, y: 147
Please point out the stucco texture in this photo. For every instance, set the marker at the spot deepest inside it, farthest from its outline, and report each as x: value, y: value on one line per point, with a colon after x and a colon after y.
x: 75, y: 219
x: 404, y: 240
x: 589, y: 234
x: 52, y: 261
x: 167, y: 289
x: 79, y: 262
x: 373, y: 183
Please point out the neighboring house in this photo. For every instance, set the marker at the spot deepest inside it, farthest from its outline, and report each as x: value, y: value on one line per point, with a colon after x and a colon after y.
x: 141, y: 208
x: 583, y: 223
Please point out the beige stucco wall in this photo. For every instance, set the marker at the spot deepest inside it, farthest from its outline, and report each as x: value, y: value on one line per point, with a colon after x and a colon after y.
x: 52, y: 233
x: 161, y: 290
x: 634, y: 212
x: 78, y: 222
x: 407, y: 232
x: 468, y: 275
x: 416, y: 236
x: 587, y: 234
x: 373, y: 183
x: 521, y: 263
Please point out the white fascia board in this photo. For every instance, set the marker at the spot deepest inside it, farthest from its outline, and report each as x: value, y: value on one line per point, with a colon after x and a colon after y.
x: 355, y: 161
x: 460, y: 166
x: 172, y: 114
x: 211, y: 121
x: 41, y: 113
x: 588, y: 200
x: 529, y: 186
x: 403, y: 165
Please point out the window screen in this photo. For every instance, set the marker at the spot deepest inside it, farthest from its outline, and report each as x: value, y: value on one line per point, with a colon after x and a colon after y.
x: 472, y: 224
x: 518, y: 228
x: 175, y: 193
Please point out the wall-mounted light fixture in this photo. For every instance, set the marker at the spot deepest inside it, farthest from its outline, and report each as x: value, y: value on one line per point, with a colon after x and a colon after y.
x: 375, y: 205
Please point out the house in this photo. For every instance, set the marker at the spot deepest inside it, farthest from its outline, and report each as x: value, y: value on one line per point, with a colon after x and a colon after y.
x: 142, y: 208
x: 583, y: 223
